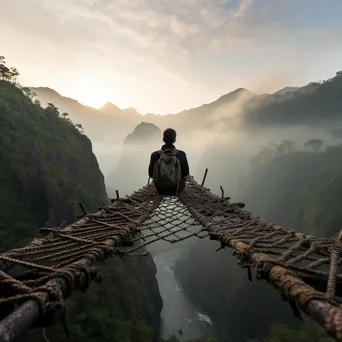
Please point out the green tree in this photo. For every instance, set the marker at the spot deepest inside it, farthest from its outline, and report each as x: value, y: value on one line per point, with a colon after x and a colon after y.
x: 288, y: 145
x: 314, y: 144
x: 28, y: 92
x: 264, y: 156
x: 6, y: 73
x: 14, y: 74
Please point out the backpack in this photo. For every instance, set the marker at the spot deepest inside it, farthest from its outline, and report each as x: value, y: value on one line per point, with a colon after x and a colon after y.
x: 167, y: 170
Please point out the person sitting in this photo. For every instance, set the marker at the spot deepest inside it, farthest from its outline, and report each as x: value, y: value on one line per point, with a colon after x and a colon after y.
x: 168, y: 166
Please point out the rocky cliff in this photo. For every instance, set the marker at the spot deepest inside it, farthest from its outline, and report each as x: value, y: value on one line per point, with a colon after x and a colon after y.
x: 47, y: 166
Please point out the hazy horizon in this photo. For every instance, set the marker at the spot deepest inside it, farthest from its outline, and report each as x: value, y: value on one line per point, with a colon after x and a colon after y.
x: 161, y: 114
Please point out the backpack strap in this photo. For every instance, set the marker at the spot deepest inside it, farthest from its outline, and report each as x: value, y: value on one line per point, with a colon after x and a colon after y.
x: 174, y: 151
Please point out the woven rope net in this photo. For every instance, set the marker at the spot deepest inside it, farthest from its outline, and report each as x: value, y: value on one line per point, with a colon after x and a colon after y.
x: 35, y: 280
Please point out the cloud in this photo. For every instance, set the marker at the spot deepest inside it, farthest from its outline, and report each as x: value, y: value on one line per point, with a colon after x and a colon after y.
x: 155, y: 29
x: 203, y: 46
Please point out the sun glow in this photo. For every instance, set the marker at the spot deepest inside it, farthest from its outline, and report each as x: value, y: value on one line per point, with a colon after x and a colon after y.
x: 95, y: 90
x: 90, y: 88
x: 94, y: 95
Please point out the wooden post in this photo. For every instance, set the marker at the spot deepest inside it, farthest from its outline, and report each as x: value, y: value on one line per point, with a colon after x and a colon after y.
x: 222, y: 192
x: 204, y: 177
x: 82, y: 208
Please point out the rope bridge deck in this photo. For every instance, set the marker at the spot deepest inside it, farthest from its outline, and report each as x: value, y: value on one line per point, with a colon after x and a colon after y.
x: 36, y: 280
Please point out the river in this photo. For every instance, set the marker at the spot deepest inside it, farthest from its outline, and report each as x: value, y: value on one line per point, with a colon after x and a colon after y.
x: 178, y: 311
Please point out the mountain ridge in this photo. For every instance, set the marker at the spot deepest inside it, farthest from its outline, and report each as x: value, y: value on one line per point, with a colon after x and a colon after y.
x: 41, y: 92
x: 317, y: 104
x: 110, y: 107
x: 46, y: 95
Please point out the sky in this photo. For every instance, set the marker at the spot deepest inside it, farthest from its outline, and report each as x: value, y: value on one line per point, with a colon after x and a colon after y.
x: 163, y: 56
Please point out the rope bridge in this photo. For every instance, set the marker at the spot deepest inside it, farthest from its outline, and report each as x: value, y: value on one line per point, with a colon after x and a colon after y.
x: 36, y: 280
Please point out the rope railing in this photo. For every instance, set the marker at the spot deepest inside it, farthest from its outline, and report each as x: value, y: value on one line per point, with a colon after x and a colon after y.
x: 305, y: 269
x: 37, y: 279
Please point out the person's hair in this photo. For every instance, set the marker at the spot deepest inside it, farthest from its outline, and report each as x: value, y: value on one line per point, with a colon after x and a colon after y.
x: 169, y: 136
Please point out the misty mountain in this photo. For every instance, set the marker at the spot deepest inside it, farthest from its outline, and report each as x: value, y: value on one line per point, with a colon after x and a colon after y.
x: 240, y: 121
x: 131, y: 171
x: 110, y: 108
x: 312, y: 103
x: 115, y: 115
x: 130, y: 110
x: 143, y: 133
x: 318, y: 103
x: 107, y: 125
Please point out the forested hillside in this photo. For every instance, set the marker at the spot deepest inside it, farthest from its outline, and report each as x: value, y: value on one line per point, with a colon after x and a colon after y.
x: 297, y: 189
x: 47, y: 166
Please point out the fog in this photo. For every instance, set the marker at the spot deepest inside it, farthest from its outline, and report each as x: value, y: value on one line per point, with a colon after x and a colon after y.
x: 226, y: 156
x: 220, y: 139
x: 222, y: 135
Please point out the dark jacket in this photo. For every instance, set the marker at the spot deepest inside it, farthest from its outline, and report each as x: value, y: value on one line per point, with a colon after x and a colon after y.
x: 182, y: 160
